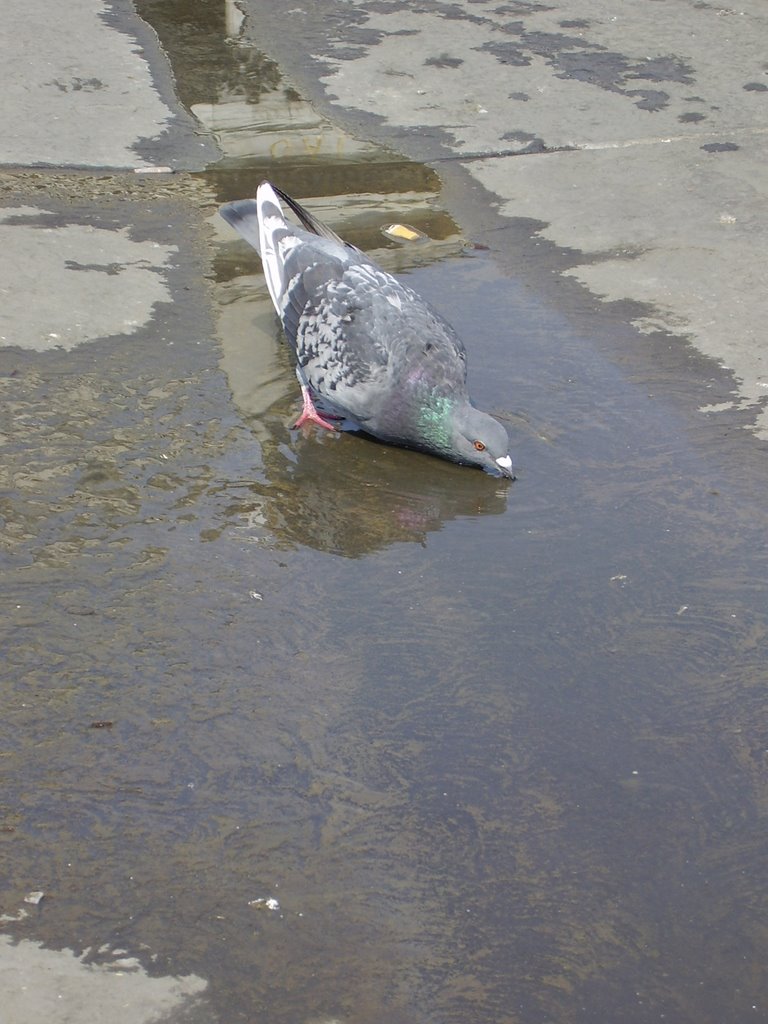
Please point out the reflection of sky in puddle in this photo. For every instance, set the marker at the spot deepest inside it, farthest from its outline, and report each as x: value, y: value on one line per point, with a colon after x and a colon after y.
x: 255, y: 114
x: 281, y: 126
x: 240, y: 96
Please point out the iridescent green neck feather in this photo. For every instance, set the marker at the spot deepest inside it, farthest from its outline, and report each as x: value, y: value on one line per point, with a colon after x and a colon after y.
x: 435, y: 421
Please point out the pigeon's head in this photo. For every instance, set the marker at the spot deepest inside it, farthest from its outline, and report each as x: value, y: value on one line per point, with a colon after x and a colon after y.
x: 480, y: 440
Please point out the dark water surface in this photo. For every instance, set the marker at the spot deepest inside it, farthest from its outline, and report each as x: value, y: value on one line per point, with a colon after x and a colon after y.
x: 499, y: 751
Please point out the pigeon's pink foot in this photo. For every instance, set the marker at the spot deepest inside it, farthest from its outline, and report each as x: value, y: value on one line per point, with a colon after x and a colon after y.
x: 309, y: 413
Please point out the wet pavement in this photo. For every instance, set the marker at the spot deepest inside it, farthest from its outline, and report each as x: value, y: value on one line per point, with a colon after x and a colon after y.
x: 298, y: 727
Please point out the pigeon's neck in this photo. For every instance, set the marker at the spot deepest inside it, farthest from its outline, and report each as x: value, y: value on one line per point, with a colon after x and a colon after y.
x: 435, y: 421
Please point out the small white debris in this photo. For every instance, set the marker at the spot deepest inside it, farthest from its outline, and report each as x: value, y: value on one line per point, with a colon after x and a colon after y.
x: 34, y: 897
x: 619, y: 578
x: 256, y: 595
x: 265, y: 903
x: 153, y: 170
x: 682, y: 609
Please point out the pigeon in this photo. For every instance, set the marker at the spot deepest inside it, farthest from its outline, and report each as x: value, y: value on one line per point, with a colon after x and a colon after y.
x: 370, y: 353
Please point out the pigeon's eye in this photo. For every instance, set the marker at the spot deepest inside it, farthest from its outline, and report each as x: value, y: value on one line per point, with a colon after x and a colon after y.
x: 479, y: 446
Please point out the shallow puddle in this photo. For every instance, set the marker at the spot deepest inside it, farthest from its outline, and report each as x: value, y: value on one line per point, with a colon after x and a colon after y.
x: 356, y: 734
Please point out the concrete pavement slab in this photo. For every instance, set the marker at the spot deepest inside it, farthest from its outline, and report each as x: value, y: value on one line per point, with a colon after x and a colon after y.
x: 56, y: 985
x: 66, y: 282
x: 79, y: 90
x: 675, y: 229
x: 84, y: 85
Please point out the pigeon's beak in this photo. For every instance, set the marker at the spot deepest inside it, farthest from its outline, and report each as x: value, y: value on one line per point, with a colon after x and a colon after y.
x: 505, y: 466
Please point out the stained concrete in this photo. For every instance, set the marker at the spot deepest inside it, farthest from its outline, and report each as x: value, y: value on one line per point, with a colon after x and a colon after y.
x: 111, y: 282
x: 57, y: 986
x: 85, y: 85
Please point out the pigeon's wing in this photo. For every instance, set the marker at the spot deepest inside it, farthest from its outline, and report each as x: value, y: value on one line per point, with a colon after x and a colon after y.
x: 262, y: 224
x: 362, y: 339
x: 311, y: 280
x: 332, y: 320
x: 366, y: 341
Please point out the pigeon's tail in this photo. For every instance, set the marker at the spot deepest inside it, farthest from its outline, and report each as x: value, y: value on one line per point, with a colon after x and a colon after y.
x: 261, y: 223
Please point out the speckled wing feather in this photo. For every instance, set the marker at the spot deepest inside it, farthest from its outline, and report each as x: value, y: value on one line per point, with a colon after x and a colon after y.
x: 365, y: 343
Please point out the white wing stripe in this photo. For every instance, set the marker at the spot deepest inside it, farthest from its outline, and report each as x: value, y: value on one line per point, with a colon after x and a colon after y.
x: 270, y: 220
